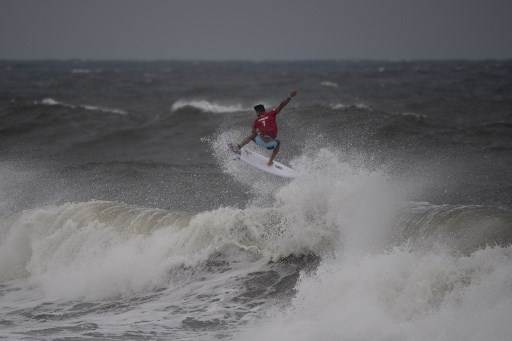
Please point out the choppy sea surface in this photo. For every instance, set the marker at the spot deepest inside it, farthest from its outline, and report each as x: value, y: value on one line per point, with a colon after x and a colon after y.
x: 122, y: 215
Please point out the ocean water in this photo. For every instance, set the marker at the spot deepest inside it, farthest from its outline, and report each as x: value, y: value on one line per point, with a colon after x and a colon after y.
x: 123, y: 216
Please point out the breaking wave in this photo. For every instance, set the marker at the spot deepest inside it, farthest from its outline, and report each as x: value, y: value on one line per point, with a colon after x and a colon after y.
x: 206, y: 106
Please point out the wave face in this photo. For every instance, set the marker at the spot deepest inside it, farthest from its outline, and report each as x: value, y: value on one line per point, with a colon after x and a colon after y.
x: 122, y: 216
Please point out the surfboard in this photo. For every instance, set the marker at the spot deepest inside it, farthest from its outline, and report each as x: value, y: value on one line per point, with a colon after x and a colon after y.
x: 261, y: 162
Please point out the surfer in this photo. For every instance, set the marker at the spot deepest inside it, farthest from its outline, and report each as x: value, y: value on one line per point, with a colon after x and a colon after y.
x: 264, y: 128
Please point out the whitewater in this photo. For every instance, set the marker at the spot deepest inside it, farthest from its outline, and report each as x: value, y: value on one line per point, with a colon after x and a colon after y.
x: 105, y: 267
x: 136, y: 223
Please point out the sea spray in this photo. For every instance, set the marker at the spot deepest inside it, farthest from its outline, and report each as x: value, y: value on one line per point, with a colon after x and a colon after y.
x: 399, y: 270
x: 400, y: 294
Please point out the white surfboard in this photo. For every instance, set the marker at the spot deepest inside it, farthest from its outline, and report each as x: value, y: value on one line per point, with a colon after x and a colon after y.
x: 261, y: 162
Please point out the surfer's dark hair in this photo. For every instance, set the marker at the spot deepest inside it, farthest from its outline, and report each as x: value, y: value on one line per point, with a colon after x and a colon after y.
x: 259, y: 108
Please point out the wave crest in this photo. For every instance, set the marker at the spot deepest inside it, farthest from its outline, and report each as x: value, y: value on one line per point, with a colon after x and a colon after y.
x: 53, y: 102
x: 207, y: 106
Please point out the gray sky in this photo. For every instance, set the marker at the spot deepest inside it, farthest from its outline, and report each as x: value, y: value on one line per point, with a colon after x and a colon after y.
x: 255, y: 29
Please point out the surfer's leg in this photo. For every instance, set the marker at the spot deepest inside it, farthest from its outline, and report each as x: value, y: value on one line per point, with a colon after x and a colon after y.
x: 274, y: 153
x: 247, y: 140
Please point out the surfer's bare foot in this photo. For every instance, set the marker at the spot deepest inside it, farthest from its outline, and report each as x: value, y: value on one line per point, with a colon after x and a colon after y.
x: 270, y: 162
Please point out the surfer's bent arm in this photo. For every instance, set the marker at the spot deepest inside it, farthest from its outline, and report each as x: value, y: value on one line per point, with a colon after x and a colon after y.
x: 248, y: 138
x: 286, y: 101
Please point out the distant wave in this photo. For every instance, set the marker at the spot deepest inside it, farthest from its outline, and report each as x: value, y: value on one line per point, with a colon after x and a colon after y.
x: 82, y: 71
x: 359, y: 105
x: 329, y: 84
x: 339, y: 106
x: 206, y: 106
x: 110, y: 110
x: 51, y: 101
x: 413, y: 114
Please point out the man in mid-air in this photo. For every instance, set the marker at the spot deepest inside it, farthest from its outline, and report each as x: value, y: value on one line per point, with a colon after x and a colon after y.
x: 264, y: 128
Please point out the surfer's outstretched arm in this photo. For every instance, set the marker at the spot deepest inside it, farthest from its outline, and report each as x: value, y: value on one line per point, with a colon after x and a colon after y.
x: 286, y: 101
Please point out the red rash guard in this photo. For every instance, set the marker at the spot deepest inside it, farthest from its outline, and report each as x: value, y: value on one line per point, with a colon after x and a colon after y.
x: 266, y: 124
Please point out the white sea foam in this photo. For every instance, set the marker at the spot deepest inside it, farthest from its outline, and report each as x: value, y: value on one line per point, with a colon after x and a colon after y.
x: 52, y: 102
x: 413, y: 115
x: 366, y: 289
x: 402, y: 294
x: 358, y: 105
x: 207, y: 106
x: 329, y: 84
x: 330, y: 198
x: 108, y: 110
x: 339, y: 106
x: 97, y: 250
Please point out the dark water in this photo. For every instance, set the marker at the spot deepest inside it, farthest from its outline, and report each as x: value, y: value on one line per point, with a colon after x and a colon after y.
x: 122, y: 216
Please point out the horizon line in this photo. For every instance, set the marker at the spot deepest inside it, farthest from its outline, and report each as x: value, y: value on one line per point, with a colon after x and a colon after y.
x: 214, y: 60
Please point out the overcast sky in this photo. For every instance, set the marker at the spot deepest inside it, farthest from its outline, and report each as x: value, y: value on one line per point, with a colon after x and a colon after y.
x: 255, y: 29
